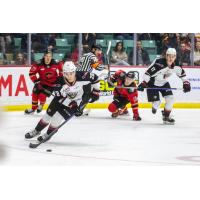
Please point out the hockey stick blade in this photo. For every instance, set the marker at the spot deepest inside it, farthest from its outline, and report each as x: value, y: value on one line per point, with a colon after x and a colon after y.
x: 34, y: 145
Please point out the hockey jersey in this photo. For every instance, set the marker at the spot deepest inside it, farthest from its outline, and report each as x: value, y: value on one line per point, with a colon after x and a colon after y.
x: 159, y: 72
x: 78, y: 91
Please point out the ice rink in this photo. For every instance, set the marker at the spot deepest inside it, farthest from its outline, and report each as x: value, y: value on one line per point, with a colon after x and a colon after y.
x: 98, y: 139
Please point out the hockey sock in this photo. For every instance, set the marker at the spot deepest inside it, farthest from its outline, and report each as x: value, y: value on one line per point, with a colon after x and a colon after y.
x: 41, y: 125
x: 34, y: 101
x: 42, y: 98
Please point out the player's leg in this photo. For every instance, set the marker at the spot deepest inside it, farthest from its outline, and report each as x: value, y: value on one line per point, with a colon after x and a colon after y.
x: 63, y: 113
x: 134, y: 105
x: 154, y: 97
x: 44, y: 121
x: 35, y: 94
x: 118, y: 103
x: 169, y: 101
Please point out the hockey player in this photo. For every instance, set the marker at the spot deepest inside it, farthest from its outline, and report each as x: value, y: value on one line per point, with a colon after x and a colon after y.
x: 157, y: 76
x: 43, y: 75
x: 71, y: 95
x: 123, y: 96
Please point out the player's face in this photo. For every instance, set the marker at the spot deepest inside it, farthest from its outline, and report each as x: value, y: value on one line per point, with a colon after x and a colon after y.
x: 128, y: 81
x: 47, y: 58
x: 70, y: 76
x: 170, y: 58
x: 98, y: 52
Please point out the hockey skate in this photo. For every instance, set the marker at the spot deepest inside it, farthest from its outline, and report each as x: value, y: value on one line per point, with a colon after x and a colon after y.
x: 153, y: 110
x: 115, y: 114
x: 137, y: 118
x: 32, y: 134
x: 123, y: 111
x: 39, y: 109
x: 167, y: 119
x: 43, y: 138
x: 29, y: 111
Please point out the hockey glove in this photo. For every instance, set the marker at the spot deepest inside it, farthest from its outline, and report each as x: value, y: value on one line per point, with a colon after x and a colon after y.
x: 141, y: 86
x: 186, y: 86
x: 94, y: 96
x: 38, y: 85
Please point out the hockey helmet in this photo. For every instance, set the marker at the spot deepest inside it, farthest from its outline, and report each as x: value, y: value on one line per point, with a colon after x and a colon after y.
x: 171, y: 51
x: 69, y: 67
x: 130, y: 74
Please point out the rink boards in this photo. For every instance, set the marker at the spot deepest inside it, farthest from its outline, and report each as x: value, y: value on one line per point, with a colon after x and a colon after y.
x: 16, y: 88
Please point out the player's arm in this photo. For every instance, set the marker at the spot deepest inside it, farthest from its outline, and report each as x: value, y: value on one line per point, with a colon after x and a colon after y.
x: 120, y: 74
x: 33, y: 73
x: 95, y: 64
x: 180, y: 72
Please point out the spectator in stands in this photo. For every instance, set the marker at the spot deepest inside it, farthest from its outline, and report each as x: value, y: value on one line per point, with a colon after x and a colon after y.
x: 74, y: 55
x: 20, y: 59
x: 183, y: 56
x: 197, y: 54
x: 38, y: 43
x: 119, y: 56
x: 142, y: 56
x: 6, y: 43
x: 88, y: 40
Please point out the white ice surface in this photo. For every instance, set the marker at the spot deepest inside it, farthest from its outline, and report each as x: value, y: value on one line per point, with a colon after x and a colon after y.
x: 98, y: 139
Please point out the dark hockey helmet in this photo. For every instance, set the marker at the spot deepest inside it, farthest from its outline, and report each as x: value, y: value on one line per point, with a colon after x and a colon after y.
x: 130, y: 74
x: 96, y: 46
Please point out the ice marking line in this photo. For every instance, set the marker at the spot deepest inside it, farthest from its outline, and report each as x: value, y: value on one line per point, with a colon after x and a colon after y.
x: 98, y: 158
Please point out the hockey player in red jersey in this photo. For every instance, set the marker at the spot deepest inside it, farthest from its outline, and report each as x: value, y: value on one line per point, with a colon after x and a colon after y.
x: 43, y: 75
x: 123, y: 96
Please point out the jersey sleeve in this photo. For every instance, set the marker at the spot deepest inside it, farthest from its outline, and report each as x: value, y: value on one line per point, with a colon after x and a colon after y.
x: 180, y: 72
x: 33, y: 73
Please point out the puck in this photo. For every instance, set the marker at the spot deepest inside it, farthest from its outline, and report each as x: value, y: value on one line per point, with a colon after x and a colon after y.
x: 49, y: 150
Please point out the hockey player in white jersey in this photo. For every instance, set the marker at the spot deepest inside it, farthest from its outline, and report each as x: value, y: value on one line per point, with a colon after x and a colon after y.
x: 156, y: 77
x: 72, y: 93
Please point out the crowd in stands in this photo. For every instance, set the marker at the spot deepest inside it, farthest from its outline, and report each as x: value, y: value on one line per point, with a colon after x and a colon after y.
x: 14, y: 47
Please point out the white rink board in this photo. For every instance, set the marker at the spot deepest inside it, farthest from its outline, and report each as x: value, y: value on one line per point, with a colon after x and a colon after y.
x: 16, y: 86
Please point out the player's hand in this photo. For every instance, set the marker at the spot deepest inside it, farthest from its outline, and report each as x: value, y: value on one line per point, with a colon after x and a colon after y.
x: 38, y: 85
x: 78, y: 111
x: 186, y: 86
x: 141, y: 86
x: 94, y: 96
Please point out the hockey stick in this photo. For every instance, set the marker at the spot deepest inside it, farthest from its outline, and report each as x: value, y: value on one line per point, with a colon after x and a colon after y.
x: 107, y: 57
x: 38, y: 143
x: 149, y: 88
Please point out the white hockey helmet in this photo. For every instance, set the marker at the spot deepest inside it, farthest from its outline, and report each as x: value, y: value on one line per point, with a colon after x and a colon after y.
x: 171, y: 51
x: 69, y: 67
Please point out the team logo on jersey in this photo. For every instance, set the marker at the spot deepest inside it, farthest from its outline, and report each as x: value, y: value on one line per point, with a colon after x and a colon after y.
x: 49, y: 75
x: 72, y: 95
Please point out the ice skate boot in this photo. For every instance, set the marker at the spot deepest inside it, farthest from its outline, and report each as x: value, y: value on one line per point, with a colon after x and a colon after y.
x: 32, y: 134
x: 167, y: 119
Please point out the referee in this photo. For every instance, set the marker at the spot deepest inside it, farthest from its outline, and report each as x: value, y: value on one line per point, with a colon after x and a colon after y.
x: 89, y: 61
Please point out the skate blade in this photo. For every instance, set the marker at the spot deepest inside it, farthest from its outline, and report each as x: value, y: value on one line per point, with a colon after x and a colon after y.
x: 168, y: 123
